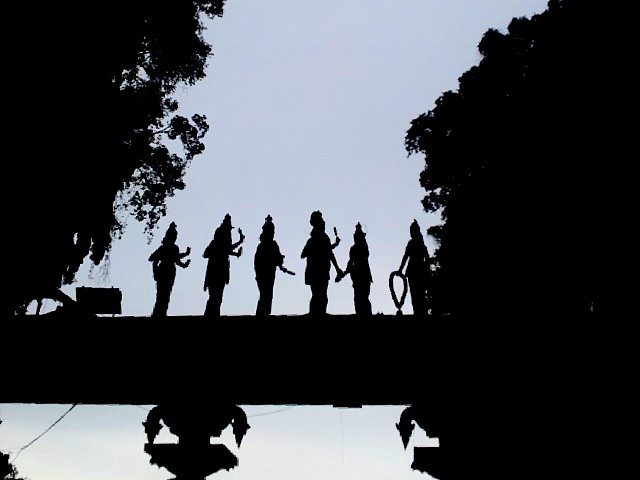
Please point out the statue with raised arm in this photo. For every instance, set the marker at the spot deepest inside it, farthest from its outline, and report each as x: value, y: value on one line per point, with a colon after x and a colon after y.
x: 164, y: 260
x: 217, y: 276
x: 319, y: 254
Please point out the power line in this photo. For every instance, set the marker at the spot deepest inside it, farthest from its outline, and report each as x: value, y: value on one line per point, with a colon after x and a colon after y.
x: 22, y: 449
x: 272, y: 412
x: 341, y: 439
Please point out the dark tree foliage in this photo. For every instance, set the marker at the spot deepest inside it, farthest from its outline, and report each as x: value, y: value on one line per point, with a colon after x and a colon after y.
x: 519, y: 161
x: 7, y: 469
x: 92, y: 128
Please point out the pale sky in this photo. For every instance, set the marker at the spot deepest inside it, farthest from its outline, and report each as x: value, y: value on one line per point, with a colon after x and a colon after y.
x: 312, y: 443
x: 308, y: 104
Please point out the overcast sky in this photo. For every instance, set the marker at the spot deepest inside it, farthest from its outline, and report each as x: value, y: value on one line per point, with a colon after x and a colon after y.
x: 308, y: 104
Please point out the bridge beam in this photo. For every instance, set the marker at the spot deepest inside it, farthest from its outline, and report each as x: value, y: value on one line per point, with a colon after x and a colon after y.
x: 342, y: 360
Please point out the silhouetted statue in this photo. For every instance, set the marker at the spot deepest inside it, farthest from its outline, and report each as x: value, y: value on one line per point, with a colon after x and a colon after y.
x: 358, y: 268
x: 194, y: 457
x: 418, y: 270
x: 217, y: 276
x: 165, y: 259
x: 426, y: 459
x: 319, y: 254
x: 265, y: 262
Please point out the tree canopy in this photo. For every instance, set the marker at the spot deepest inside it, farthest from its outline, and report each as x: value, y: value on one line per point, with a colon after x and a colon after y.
x: 7, y: 469
x: 518, y: 161
x: 93, y: 131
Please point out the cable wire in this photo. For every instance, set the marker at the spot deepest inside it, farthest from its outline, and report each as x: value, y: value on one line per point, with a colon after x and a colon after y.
x: 22, y: 449
x: 272, y: 412
x: 341, y: 439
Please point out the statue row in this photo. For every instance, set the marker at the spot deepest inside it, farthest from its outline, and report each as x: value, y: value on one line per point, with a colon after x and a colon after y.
x: 318, y: 253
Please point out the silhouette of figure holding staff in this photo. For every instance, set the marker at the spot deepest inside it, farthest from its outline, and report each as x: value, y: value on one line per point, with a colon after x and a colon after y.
x: 165, y: 259
x: 266, y: 259
x: 319, y: 254
x: 418, y: 271
x: 217, y: 275
x: 358, y: 268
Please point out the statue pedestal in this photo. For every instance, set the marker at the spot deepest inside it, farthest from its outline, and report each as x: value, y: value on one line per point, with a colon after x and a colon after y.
x: 428, y: 460
x: 191, y: 462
